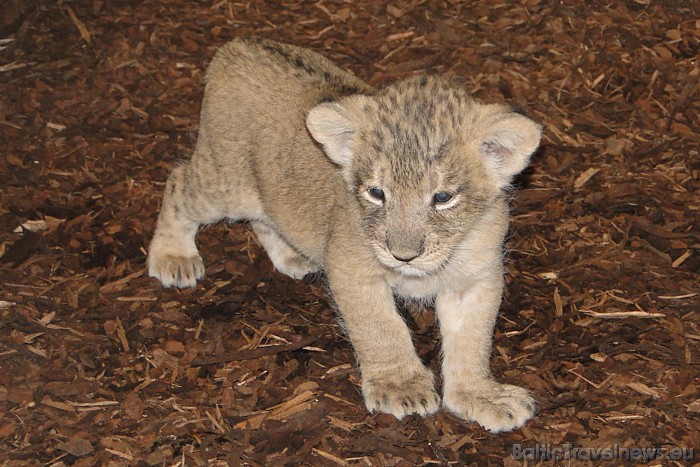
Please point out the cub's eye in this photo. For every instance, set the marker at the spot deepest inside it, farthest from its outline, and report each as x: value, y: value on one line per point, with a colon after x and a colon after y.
x: 376, y: 193
x: 442, y: 197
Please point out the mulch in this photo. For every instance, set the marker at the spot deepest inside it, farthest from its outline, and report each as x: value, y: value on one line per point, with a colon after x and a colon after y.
x: 99, y: 365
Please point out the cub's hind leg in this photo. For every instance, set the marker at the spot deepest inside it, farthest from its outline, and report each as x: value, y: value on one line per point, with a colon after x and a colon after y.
x: 172, y: 256
x: 283, y: 256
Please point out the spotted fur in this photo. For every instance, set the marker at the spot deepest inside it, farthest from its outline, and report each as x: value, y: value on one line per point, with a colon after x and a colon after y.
x: 339, y: 177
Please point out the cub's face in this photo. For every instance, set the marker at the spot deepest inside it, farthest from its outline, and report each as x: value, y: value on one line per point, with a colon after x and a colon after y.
x: 418, y: 198
x: 424, y: 162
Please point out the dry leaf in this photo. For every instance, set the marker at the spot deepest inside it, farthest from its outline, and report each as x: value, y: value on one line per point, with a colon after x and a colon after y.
x: 644, y: 389
x: 77, y: 447
x: 582, y: 179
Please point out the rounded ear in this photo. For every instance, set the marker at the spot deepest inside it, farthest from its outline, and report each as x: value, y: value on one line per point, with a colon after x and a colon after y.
x: 509, y: 142
x: 329, y: 125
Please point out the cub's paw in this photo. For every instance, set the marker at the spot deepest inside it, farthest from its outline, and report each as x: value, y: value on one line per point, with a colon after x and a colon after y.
x: 295, y: 266
x: 178, y: 271
x: 497, y: 407
x: 401, y: 396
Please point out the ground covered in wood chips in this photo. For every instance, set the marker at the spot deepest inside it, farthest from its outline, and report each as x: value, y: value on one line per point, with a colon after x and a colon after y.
x: 99, y: 365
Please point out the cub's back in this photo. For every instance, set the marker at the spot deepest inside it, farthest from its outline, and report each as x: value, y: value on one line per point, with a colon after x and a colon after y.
x: 270, y: 83
x: 266, y: 61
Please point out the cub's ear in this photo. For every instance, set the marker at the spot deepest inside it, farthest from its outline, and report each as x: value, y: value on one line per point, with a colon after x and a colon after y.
x: 329, y: 125
x: 511, y: 139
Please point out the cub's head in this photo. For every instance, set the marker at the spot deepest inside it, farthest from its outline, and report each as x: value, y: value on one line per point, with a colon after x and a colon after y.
x: 425, y: 162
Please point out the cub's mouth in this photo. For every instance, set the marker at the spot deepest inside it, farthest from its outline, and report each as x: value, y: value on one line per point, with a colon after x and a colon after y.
x: 420, y: 266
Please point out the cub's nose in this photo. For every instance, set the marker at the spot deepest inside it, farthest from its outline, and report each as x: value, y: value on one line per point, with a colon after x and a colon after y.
x: 406, y: 253
x: 405, y: 249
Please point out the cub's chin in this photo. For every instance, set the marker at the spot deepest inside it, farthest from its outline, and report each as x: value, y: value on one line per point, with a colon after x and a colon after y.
x: 411, y: 271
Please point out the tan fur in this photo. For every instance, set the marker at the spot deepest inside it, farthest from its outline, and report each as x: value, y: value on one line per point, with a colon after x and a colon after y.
x: 299, y: 147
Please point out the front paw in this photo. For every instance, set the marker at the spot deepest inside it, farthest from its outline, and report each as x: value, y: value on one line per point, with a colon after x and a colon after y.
x: 399, y: 394
x: 497, y: 407
x: 178, y: 271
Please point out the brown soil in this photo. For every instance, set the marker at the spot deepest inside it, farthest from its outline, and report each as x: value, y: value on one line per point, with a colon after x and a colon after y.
x: 100, y: 365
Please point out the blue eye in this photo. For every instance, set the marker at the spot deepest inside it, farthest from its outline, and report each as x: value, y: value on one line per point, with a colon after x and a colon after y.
x: 376, y: 193
x: 442, y: 197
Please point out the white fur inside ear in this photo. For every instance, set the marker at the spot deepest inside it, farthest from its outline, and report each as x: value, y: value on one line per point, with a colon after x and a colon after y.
x: 509, y: 143
x: 330, y: 126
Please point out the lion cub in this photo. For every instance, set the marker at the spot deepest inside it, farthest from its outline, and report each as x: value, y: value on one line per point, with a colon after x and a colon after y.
x: 393, y: 192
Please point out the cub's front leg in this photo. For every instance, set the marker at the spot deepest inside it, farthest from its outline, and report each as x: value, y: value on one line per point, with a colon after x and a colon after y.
x: 194, y: 195
x: 467, y: 319
x: 394, y: 380
x: 172, y: 256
